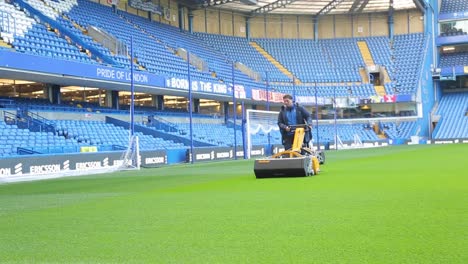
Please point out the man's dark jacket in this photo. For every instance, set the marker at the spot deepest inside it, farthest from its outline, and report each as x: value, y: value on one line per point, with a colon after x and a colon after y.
x: 302, y: 117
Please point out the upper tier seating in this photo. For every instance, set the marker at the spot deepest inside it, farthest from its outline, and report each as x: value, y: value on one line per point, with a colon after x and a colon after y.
x: 328, y: 60
x: 311, y: 61
x: 30, y: 37
x: 324, y: 61
x: 155, y: 44
x: 239, y: 49
x: 380, y: 50
x: 408, y: 51
x: 217, y: 62
x: 358, y: 90
x: 13, y: 23
x: 453, y: 6
x: 150, y: 53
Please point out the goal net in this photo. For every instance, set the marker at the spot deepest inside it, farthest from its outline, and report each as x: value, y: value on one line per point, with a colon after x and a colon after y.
x: 357, y: 143
x: 129, y: 160
x: 261, y: 129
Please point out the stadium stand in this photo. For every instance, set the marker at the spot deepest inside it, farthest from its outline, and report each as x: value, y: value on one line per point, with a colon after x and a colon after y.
x: 327, y: 67
x: 453, y: 6
x: 453, y: 122
x: 71, y: 135
x: 305, y: 59
x: 28, y: 36
x: 399, y: 130
x: 454, y: 59
x: 360, y: 90
x: 408, y: 53
x: 33, y: 142
x: 239, y: 49
x: 13, y: 23
x: 218, y: 64
x: 105, y: 135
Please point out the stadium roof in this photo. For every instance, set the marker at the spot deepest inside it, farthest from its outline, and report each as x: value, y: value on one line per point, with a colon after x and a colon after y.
x: 308, y: 7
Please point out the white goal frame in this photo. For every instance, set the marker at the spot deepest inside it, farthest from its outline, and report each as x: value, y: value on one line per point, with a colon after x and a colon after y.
x: 130, y: 160
x: 267, y: 126
x: 338, y: 144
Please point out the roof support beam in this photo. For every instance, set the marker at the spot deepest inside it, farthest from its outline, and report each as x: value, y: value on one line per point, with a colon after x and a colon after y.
x: 421, y: 5
x: 329, y: 7
x: 391, y: 26
x: 363, y: 5
x: 390, y: 9
x: 355, y: 5
x: 272, y: 6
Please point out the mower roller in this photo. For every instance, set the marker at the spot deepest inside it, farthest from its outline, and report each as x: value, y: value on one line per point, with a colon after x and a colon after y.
x: 298, y: 161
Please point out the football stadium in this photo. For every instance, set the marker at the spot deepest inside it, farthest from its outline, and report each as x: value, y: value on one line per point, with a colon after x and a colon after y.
x: 151, y: 131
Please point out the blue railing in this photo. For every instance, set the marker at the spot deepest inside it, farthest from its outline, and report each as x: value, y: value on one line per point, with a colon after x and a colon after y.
x: 7, y: 103
x: 7, y: 22
x: 27, y: 120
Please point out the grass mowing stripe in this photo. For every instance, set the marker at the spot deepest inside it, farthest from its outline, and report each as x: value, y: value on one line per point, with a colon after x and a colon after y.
x: 389, y: 205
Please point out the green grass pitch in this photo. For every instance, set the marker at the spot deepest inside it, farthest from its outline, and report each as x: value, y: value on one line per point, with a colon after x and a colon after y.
x: 403, y: 204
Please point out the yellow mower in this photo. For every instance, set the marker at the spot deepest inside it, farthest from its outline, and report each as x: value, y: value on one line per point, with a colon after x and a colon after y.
x: 299, y: 161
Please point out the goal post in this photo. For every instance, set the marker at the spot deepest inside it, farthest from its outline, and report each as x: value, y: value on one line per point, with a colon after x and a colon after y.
x: 131, y: 158
x: 261, y: 129
x: 58, y: 167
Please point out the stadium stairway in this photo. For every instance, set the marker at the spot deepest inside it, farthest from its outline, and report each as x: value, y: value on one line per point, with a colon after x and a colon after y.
x: 380, y: 90
x: 365, y: 53
x: 274, y: 62
x: 3, y: 44
x: 368, y: 59
x: 381, y: 134
x: 25, y: 119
